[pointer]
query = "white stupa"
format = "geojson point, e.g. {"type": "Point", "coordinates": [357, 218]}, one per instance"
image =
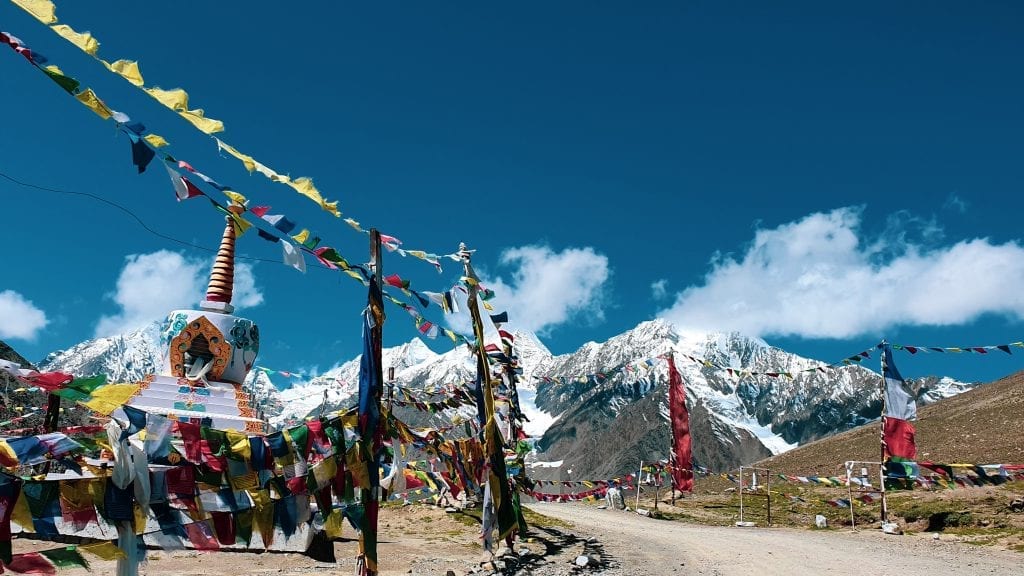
{"type": "Point", "coordinates": [208, 354]}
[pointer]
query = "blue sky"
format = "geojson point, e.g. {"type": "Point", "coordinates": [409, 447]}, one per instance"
{"type": "Point", "coordinates": [819, 176]}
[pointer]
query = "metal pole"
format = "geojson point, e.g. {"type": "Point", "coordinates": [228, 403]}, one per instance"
{"type": "Point", "coordinates": [881, 469]}
{"type": "Point", "coordinates": [741, 493]}
{"type": "Point", "coordinates": [849, 484]}
{"type": "Point", "coordinates": [639, 476]}
{"type": "Point", "coordinates": [768, 487]}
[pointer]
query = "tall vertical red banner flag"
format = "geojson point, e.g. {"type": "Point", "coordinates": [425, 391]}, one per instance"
{"type": "Point", "coordinates": [682, 470]}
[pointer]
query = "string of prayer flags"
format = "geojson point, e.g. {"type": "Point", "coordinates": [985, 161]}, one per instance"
{"type": "Point", "coordinates": [177, 100]}
{"type": "Point", "coordinates": [1007, 348]}
{"type": "Point", "coordinates": [143, 152]}
{"type": "Point", "coordinates": [285, 373]}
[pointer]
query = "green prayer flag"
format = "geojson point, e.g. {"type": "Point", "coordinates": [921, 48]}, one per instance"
{"type": "Point", "coordinates": [300, 436]}
{"type": "Point", "coordinates": [243, 525]}
{"type": "Point", "coordinates": [66, 557]}
{"type": "Point", "coordinates": [69, 84]}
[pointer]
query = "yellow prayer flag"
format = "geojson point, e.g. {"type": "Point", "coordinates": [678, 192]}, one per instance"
{"type": "Point", "coordinates": [350, 420]}
{"type": "Point", "coordinates": [8, 459]}
{"type": "Point", "coordinates": [84, 40]}
{"type": "Point", "coordinates": [247, 161]}
{"type": "Point", "coordinates": [354, 274]}
{"type": "Point", "coordinates": [205, 125]}
{"type": "Point", "coordinates": [103, 550]}
{"type": "Point", "coordinates": [236, 197]}
{"type": "Point", "coordinates": [176, 99]}
{"type": "Point", "coordinates": [324, 471]}
{"type": "Point", "coordinates": [22, 515]}
{"type": "Point", "coordinates": [42, 10]}
{"type": "Point", "coordinates": [241, 224]}
{"type": "Point", "coordinates": [333, 525]}
{"type": "Point", "coordinates": [306, 187]}
{"type": "Point", "coordinates": [140, 519]}
{"type": "Point", "coordinates": [260, 498]}
{"type": "Point", "coordinates": [239, 442]}
{"type": "Point", "coordinates": [353, 223]}
{"type": "Point", "coordinates": [128, 69]}
{"type": "Point", "coordinates": [301, 237]}
{"type": "Point", "coordinates": [271, 173]}
{"type": "Point", "coordinates": [155, 140]}
{"type": "Point", "coordinates": [91, 101]}
{"type": "Point", "coordinates": [108, 398]}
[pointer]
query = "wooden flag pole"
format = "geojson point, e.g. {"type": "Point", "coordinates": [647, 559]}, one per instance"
{"type": "Point", "coordinates": [369, 497]}
{"type": "Point", "coordinates": [487, 516]}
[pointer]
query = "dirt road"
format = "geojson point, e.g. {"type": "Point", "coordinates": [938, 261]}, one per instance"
{"type": "Point", "coordinates": [634, 544]}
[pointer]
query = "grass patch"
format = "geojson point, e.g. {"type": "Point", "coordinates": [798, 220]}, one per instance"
{"type": "Point", "coordinates": [542, 521]}
{"type": "Point", "coordinates": [467, 518]}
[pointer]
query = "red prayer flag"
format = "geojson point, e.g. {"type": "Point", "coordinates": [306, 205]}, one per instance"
{"type": "Point", "coordinates": [31, 563]}
{"type": "Point", "coordinates": [48, 381]}
{"type": "Point", "coordinates": [201, 535]}
{"type": "Point", "coordinates": [682, 469]}
{"type": "Point", "coordinates": [898, 437]}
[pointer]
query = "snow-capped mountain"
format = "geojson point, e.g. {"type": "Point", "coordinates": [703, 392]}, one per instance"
{"type": "Point", "coordinates": [596, 426]}
{"type": "Point", "coordinates": [337, 388]}
{"type": "Point", "coordinates": [605, 427]}
{"type": "Point", "coordinates": [123, 358]}
{"type": "Point", "coordinates": [416, 368]}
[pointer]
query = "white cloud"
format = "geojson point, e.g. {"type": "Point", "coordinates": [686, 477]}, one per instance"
{"type": "Point", "coordinates": [246, 294]}
{"type": "Point", "coordinates": [820, 277]}
{"type": "Point", "coordinates": [151, 285]}
{"type": "Point", "coordinates": [548, 288]}
{"type": "Point", "coordinates": [19, 318]}
{"type": "Point", "coordinates": [659, 289]}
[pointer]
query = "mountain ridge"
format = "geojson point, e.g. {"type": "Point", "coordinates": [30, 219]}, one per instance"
{"type": "Point", "coordinates": [592, 426]}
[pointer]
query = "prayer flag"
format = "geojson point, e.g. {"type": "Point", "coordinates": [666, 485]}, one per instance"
{"type": "Point", "coordinates": [136, 421]}
{"type": "Point", "coordinates": [293, 257]}
{"type": "Point", "coordinates": [682, 469]}
{"type": "Point", "coordinates": [83, 40]}
{"type": "Point", "coordinates": [499, 319]}
{"type": "Point", "coordinates": [93, 102]}
{"type": "Point", "coordinates": [183, 189]}
{"type": "Point", "coordinates": [898, 437]}
{"type": "Point", "coordinates": [899, 399]}
{"type": "Point", "coordinates": [42, 10]}
{"type": "Point", "coordinates": [66, 557]}
{"type": "Point", "coordinates": [127, 69]}
{"type": "Point", "coordinates": [370, 391]}
{"type": "Point", "coordinates": [31, 563]}
{"type": "Point", "coordinates": [396, 281]}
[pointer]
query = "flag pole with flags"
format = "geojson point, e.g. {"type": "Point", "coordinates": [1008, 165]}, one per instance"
{"type": "Point", "coordinates": [898, 408]}
{"type": "Point", "coordinates": [371, 378]}
{"type": "Point", "coordinates": [679, 417]}
{"type": "Point", "coordinates": [497, 497]}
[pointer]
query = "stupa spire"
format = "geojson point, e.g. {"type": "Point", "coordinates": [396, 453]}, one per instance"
{"type": "Point", "coordinates": [222, 275]}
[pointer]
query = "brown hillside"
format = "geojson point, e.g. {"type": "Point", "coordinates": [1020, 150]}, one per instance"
{"type": "Point", "coordinates": [981, 426]}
